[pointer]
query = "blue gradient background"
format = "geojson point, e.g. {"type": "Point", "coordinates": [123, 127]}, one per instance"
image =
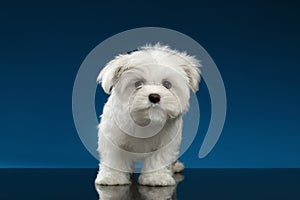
{"type": "Point", "coordinates": [255, 45]}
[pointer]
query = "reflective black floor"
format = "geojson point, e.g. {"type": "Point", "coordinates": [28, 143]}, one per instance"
{"type": "Point", "coordinates": [195, 184]}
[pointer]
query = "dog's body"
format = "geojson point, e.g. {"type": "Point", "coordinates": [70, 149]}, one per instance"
{"type": "Point", "coordinates": [142, 119]}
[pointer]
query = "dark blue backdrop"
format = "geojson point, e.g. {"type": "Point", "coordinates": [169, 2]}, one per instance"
{"type": "Point", "coordinates": [255, 46]}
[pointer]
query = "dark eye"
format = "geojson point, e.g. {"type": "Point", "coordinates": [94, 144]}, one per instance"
{"type": "Point", "coordinates": [167, 84]}
{"type": "Point", "coordinates": [138, 84]}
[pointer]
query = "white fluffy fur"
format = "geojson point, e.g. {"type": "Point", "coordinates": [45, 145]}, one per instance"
{"type": "Point", "coordinates": [118, 149]}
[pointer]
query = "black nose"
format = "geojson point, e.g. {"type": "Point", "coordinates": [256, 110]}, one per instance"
{"type": "Point", "coordinates": [154, 98]}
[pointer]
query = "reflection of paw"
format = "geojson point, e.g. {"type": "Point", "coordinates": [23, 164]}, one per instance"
{"type": "Point", "coordinates": [156, 179]}
{"type": "Point", "coordinates": [178, 167]}
{"type": "Point", "coordinates": [110, 177]}
{"type": "Point", "coordinates": [113, 192]}
{"type": "Point", "coordinates": [156, 193]}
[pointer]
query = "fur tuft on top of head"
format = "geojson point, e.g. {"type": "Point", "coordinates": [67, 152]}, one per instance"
{"type": "Point", "coordinates": [157, 54]}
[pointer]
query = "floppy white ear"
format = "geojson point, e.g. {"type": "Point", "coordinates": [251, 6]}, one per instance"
{"type": "Point", "coordinates": [111, 73]}
{"type": "Point", "coordinates": [192, 70]}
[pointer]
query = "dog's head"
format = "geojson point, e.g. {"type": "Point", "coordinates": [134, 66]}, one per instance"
{"type": "Point", "coordinates": [152, 82]}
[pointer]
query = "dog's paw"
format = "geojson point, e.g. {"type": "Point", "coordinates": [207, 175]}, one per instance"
{"type": "Point", "coordinates": [156, 179]}
{"type": "Point", "coordinates": [178, 167]}
{"type": "Point", "coordinates": [112, 178]}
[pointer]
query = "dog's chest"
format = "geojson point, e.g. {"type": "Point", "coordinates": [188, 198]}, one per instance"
{"type": "Point", "coordinates": [146, 145]}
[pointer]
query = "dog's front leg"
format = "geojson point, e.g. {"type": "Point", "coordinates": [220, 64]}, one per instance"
{"type": "Point", "coordinates": [158, 168]}
{"type": "Point", "coordinates": [115, 166]}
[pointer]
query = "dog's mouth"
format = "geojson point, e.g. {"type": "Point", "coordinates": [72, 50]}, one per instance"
{"type": "Point", "coordinates": [151, 113]}
{"type": "Point", "coordinates": [140, 116]}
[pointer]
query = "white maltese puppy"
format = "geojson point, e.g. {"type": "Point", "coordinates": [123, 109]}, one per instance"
{"type": "Point", "coordinates": [142, 119]}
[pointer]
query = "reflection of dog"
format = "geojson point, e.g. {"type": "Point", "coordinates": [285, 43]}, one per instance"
{"type": "Point", "coordinates": [134, 191]}
{"type": "Point", "coordinates": [142, 119]}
